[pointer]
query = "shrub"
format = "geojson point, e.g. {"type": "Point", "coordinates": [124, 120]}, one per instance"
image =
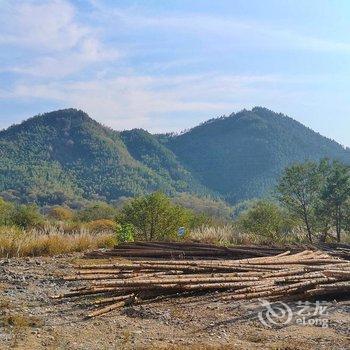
{"type": "Point", "coordinates": [97, 211]}
{"type": "Point", "coordinates": [125, 233]}
{"type": "Point", "coordinates": [26, 216]}
{"type": "Point", "coordinates": [61, 213]}
{"type": "Point", "coordinates": [101, 225]}
{"type": "Point", "coordinates": [266, 219]}
{"type": "Point", "coordinates": [6, 210]}
{"type": "Point", "coordinates": [155, 217]}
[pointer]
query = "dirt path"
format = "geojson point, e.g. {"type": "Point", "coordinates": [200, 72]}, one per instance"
{"type": "Point", "coordinates": [31, 320]}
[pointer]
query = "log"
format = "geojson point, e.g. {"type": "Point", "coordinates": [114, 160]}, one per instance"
{"type": "Point", "coordinates": [113, 299]}
{"type": "Point", "coordinates": [108, 308]}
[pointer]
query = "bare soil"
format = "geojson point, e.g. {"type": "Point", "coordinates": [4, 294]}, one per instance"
{"type": "Point", "coordinates": [30, 319]}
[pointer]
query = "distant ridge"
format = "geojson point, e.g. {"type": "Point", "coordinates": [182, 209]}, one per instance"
{"type": "Point", "coordinates": [65, 155]}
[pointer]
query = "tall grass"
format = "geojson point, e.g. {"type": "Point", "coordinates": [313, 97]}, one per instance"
{"type": "Point", "coordinates": [231, 235]}
{"type": "Point", "coordinates": [223, 235]}
{"type": "Point", "coordinates": [17, 243]}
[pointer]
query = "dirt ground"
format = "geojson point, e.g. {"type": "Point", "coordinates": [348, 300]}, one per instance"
{"type": "Point", "coordinates": [30, 319]}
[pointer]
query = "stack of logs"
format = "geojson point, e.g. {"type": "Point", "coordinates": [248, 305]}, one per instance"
{"type": "Point", "coordinates": [181, 250]}
{"type": "Point", "coordinates": [302, 275]}
{"type": "Point", "coordinates": [340, 250]}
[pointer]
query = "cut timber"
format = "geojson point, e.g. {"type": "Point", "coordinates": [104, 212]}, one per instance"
{"type": "Point", "coordinates": [278, 276]}
{"type": "Point", "coordinates": [108, 308]}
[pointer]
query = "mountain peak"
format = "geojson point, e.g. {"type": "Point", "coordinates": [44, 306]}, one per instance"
{"type": "Point", "coordinates": [71, 115]}
{"type": "Point", "coordinates": [58, 119]}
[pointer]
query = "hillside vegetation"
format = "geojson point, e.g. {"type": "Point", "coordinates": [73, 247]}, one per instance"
{"type": "Point", "coordinates": [67, 157]}
{"type": "Point", "coordinates": [241, 156]}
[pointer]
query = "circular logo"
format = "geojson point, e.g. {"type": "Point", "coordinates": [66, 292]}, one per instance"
{"type": "Point", "coordinates": [277, 313]}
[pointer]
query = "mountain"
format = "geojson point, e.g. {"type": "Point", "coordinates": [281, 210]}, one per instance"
{"type": "Point", "coordinates": [65, 155]}
{"type": "Point", "coordinates": [242, 156]}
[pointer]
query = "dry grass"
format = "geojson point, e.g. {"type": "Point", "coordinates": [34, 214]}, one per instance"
{"type": "Point", "coordinates": [17, 325]}
{"type": "Point", "coordinates": [15, 243]}
{"type": "Point", "coordinates": [231, 235]}
{"type": "Point", "coordinates": [20, 321]}
{"type": "Point", "coordinates": [222, 235]}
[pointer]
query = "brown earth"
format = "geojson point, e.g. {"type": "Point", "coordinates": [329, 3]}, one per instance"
{"type": "Point", "coordinates": [30, 319]}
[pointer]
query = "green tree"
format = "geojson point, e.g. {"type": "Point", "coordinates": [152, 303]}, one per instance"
{"type": "Point", "coordinates": [26, 216]}
{"type": "Point", "coordinates": [347, 216]}
{"type": "Point", "coordinates": [155, 217]}
{"type": "Point", "coordinates": [6, 210]}
{"type": "Point", "coordinates": [335, 196]}
{"type": "Point", "coordinates": [265, 218]}
{"type": "Point", "coordinates": [299, 191]}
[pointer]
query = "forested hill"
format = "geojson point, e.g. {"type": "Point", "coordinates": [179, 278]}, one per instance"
{"type": "Point", "coordinates": [242, 155]}
{"type": "Point", "coordinates": [65, 155]}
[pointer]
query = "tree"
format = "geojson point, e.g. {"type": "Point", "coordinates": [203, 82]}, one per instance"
{"type": "Point", "coordinates": [347, 216]}
{"type": "Point", "coordinates": [5, 212]}
{"type": "Point", "coordinates": [335, 195]}
{"type": "Point", "coordinates": [299, 191]}
{"type": "Point", "coordinates": [154, 216]}
{"type": "Point", "coordinates": [265, 218]}
{"type": "Point", "coordinates": [26, 216]}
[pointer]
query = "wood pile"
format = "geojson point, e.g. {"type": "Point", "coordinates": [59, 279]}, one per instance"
{"type": "Point", "coordinates": [306, 274]}
{"type": "Point", "coordinates": [337, 249]}
{"type": "Point", "coordinates": [182, 250]}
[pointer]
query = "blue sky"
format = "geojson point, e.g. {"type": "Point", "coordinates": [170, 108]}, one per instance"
{"type": "Point", "coordinates": [168, 65]}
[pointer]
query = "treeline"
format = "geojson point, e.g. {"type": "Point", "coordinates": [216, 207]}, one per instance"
{"type": "Point", "coordinates": [311, 203]}
{"type": "Point", "coordinates": [151, 217]}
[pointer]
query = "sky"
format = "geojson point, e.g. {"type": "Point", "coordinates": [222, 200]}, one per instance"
{"type": "Point", "coordinates": [169, 65]}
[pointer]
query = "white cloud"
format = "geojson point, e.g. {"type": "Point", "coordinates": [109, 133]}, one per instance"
{"type": "Point", "coordinates": [61, 65]}
{"type": "Point", "coordinates": [40, 25]}
{"type": "Point", "coordinates": [137, 101]}
{"type": "Point", "coordinates": [57, 44]}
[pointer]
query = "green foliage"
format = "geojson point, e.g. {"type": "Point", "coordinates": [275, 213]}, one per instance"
{"type": "Point", "coordinates": [64, 156]}
{"type": "Point", "coordinates": [155, 217]}
{"type": "Point", "coordinates": [213, 208]}
{"type": "Point", "coordinates": [266, 219]}
{"type": "Point", "coordinates": [125, 233]}
{"type": "Point", "coordinates": [335, 196]}
{"type": "Point", "coordinates": [6, 210]}
{"type": "Point", "coordinates": [299, 191]}
{"type": "Point", "coordinates": [318, 195]}
{"type": "Point", "coordinates": [27, 216]}
{"type": "Point", "coordinates": [97, 211]}
{"type": "Point", "coordinates": [242, 156]}
{"type": "Point", "coordinates": [203, 219]}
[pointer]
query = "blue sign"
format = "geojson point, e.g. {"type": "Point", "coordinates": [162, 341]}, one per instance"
{"type": "Point", "coordinates": [181, 232]}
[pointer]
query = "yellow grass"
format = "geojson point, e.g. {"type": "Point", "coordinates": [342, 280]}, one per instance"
{"type": "Point", "coordinates": [14, 243]}
{"type": "Point", "coordinates": [231, 235]}
{"type": "Point", "coordinates": [227, 234]}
